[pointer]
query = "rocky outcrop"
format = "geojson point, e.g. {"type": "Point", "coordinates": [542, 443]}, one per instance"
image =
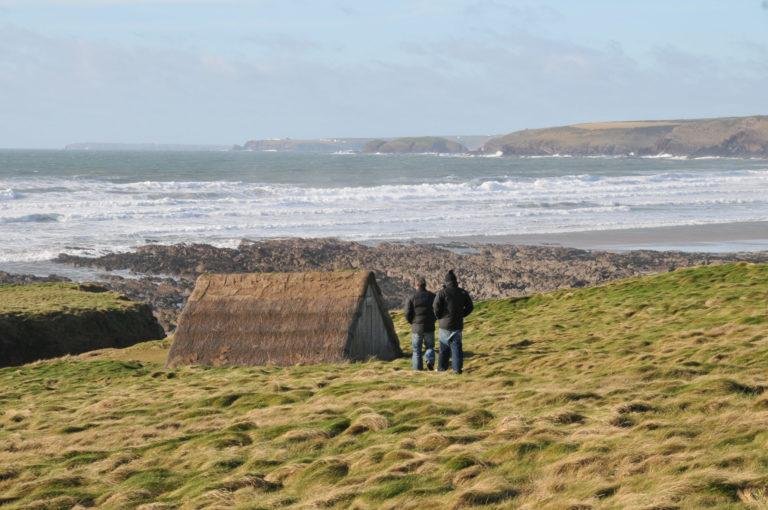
{"type": "Point", "coordinates": [417, 145]}
{"type": "Point", "coordinates": [725, 137]}
{"type": "Point", "coordinates": [166, 295]}
{"type": "Point", "coordinates": [487, 271]}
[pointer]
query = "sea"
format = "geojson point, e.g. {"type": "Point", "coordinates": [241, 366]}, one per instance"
{"type": "Point", "coordinates": [91, 203]}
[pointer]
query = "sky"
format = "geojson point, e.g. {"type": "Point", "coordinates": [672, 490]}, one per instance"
{"type": "Point", "coordinates": [223, 72]}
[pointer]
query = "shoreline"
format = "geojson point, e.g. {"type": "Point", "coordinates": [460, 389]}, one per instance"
{"type": "Point", "coordinates": [716, 238]}
{"type": "Point", "coordinates": [163, 275]}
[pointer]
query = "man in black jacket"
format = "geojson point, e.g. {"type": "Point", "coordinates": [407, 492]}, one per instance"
{"type": "Point", "coordinates": [421, 317]}
{"type": "Point", "coordinates": [452, 304]}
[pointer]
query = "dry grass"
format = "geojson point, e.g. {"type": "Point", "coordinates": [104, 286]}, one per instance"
{"type": "Point", "coordinates": [46, 320]}
{"type": "Point", "coordinates": [626, 124]}
{"type": "Point", "coordinates": [647, 393]}
{"type": "Point", "coordinates": [48, 298]}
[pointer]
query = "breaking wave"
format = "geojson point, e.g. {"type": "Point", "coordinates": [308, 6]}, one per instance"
{"type": "Point", "coordinates": [34, 218]}
{"type": "Point", "coordinates": [92, 216]}
{"type": "Point", "coordinates": [8, 194]}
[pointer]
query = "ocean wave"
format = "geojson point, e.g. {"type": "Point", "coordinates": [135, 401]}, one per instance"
{"type": "Point", "coordinates": [330, 213]}
{"type": "Point", "coordinates": [8, 194]}
{"type": "Point", "coordinates": [34, 218]}
{"type": "Point", "coordinates": [99, 215]}
{"type": "Point", "coordinates": [664, 155]}
{"type": "Point", "coordinates": [208, 196]}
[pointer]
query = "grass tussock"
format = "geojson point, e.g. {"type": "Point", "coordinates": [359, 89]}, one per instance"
{"type": "Point", "coordinates": [646, 393]}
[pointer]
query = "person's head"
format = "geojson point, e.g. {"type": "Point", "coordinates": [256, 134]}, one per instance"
{"type": "Point", "coordinates": [450, 278]}
{"type": "Point", "coordinates": [421, 283]}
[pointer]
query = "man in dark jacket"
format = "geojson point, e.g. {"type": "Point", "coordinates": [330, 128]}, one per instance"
{"type": "Point", "coordinates": [421, 317]}
{"type": "Point", "coordinates": [452, 304]}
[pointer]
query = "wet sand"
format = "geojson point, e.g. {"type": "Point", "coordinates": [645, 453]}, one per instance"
{"type": "Point", "coordinates": [713, 238]}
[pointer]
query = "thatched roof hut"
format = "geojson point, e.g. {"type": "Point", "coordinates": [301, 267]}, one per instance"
{"type": "Point", "coordinates": [284, 319]}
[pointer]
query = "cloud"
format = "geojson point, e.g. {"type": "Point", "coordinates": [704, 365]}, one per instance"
{"type": "Point", "coordinates": [283, 43]}
{"type": "Point", "coordinates": [528, 80]}
{"type": "Point", "coordinates": [57, 89]}
{"type": "Point", "coordinates": [95, 3]}
{"type": "Point", "coordinates": [512, 12]}
{"type": "Point", "coordinates": [349, 10]}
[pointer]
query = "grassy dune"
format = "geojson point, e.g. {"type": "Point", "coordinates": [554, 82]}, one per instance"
{"type": "Point", "coordinates": [646, 393]}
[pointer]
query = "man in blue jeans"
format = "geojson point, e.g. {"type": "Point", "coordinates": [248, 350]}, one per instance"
{"type": "Point", "coordinates": [421, 317]}
{"type": "Point", "coordinates": [451, 305]}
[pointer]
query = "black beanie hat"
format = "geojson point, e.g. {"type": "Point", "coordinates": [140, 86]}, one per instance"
{"type": "Point", "coordinates": [450, 277]}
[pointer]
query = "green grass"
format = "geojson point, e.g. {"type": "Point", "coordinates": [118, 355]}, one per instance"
{"type": "Point", "coordinates": [47, 298]}
{"type": "Point", "coordinates": [645, 393]}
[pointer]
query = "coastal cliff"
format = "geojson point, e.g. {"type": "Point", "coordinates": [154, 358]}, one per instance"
{"type": "Point", "coordinates": [721, 137]}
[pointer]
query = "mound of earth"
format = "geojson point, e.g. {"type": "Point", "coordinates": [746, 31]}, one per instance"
{"type": "Point", "coordinates": [45, 320]}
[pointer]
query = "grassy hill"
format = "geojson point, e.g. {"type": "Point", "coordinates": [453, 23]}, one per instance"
{"type": "Point", "coordinates": [645, 393]}
{"type": "Point", "coordinates": [728, 136]}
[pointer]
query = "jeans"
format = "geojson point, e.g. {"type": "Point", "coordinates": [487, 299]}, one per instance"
{"type": "Point", "coordinates": [428, 339]}
{"type": "Point", "coordinates": [450, 349]}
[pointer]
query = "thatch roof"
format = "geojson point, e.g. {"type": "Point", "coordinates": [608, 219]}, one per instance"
{"type": "Point", "coordinates": [273, 318]}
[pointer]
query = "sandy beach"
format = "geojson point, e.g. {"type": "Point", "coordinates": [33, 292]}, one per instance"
{"type": "Point", "coordinates": [712, 238]}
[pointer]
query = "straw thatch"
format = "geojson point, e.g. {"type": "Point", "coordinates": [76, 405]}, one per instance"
{"type": "Point", "coordinates": [284, 319]}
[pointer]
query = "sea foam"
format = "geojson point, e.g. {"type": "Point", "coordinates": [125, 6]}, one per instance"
{"type": "Point", "coordinates": [90, 216]}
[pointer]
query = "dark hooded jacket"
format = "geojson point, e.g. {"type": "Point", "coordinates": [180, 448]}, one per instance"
{"type": "Point", "coordinates": [419, 313]}
{"type": "Point", "coordinates": [452, 304]}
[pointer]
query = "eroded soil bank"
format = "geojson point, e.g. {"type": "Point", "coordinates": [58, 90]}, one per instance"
{"type": "Point", "coordinates": [46, 320]}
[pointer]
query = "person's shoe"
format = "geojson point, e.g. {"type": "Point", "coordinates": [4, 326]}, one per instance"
{"type": "Point", "coordinates": [430, 366]}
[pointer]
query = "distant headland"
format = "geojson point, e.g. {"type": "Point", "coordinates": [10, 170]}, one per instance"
{"type": "Point", "coordinates": [721, 137]}
{"type": "Point", "coordinates": [417, 145]}
{"type": "Point", "coordinates": [403, 145]}
{"type": "Point", "coordinates": [319, 145]}
{"type": "Point", "coordinates": [739, 137]}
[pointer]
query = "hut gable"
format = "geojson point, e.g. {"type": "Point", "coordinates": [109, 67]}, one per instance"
{"type": "Point", "coordinates": [284, 319]}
